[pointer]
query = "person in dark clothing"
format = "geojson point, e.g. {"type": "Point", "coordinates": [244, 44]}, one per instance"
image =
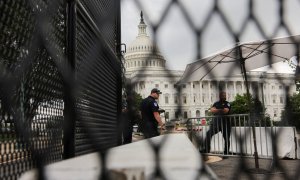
{"type": "Point", "coordinates": [150, 115]}
{"type": "Point", "coordinates": [127, 125]}
{"type": "Point", "coordinates": [219, 123]}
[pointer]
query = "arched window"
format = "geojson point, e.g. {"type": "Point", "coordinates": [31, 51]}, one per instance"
{"type": "Point", "coordinates": [197, 113]}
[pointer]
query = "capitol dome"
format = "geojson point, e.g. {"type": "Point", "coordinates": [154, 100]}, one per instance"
{"type": "Point", "coordinates": [142, 53]}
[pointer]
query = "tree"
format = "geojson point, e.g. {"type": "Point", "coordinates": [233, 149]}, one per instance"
{"type": "Point", "coordinates": [240, 105]}
{"type": "Point", "coordinates": [292, 112]}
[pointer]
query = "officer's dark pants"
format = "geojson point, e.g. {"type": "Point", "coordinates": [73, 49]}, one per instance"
{"type": "Point", "coordinates": [149, 129]}
{"type": "Point", "coordinates": [127, 133]}
{"type": "Point", "coordinates": [127, 128]}
{"type": "Point", "coordinates": [219, 124]}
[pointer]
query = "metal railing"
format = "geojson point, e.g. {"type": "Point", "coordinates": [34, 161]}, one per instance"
{"type": "Point", "coordinates": [237, 129]}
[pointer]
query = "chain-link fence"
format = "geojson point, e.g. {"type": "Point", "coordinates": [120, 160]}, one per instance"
{"type": "Point", "coordinates": [61, 79]}
{"type": "Point", "coordinates": [192, 93]}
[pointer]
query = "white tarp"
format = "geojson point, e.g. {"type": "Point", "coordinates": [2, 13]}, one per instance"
{"type": "Point", "coordinates": [253, 54]}
{"type": "Point", "coordinates": [287, 146]}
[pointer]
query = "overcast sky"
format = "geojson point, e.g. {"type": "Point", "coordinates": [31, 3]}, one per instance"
{"type": "Point", "coordinates": [177, 41]}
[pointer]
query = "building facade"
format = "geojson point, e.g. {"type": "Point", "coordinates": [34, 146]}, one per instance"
{"type": "Point", "coordinates": [145, 69]}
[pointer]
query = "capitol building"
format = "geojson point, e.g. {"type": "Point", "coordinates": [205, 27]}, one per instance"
{"type": "Point", "coordinates": [145, 69]}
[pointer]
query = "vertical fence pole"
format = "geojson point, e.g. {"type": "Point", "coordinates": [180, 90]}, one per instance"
{"type": "Point", "coordinates": [69, 104]}
{"type": "Point", "coordinates": [119, 82]}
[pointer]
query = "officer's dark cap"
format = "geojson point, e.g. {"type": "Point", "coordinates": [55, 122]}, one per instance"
{"type": "Point", "coordinates": [155, 90]}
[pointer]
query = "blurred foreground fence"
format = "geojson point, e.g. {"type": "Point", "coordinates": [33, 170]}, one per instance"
{"type": "Point", "coordinates": [60, 81]}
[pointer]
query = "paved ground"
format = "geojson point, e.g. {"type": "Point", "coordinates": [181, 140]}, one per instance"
{"type": "Point", "coordinates": [231, 168]}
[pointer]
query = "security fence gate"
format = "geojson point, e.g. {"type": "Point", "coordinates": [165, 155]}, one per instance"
{"type": "Point", "coordinates": [60, 82]}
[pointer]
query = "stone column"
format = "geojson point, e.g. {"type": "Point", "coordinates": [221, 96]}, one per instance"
{"type": "Point", "coordinates": [243, 89]}
{"type": "Point", "coordinates": [234, 88]}
{"type": "Point", "coordinates": [200, 98]}
{"type": "Point", "coordinates": [226, 88]}
{"type": "Point", "coordinates": [209, 92]}
{"type": "Point", "coordinates": [192, 94]}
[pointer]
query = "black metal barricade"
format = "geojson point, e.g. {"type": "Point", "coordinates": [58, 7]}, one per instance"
{"type": "Point", "coordinates": [60, 81]}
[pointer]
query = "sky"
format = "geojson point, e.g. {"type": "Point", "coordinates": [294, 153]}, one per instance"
{"type": "Point", "coordinates": [177, 40]}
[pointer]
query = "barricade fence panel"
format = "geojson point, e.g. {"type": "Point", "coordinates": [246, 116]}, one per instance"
{"type": "Point", "coordinates": [60, 81]}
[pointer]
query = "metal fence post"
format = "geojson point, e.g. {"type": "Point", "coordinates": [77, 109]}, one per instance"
{"type": "Point", "coordinates": [69, 103]}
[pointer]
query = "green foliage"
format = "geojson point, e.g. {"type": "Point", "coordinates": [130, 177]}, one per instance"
{"type": "Point", "coordinates": [292, 112]}
{"type": "Point", "coordinates": [137, 100]}
{"type": "Point", "coordinates": [241, 105]}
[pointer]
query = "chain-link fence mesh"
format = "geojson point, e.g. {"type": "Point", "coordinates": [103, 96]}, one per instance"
{"type": "Point", "coordinates": [61, 80]}
{"type": "Point", "coordinates": [189, 92]}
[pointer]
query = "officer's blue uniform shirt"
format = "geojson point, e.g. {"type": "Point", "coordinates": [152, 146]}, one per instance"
{"type": "Point", "coordinates": [148, 106]}
{"type": "Point", "coordinates": [222, 105]}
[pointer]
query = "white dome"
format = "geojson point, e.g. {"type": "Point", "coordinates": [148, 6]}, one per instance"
{"type": "Point", "coordinates": [141, 44]}
{"type": "Point", "coordinates": [142, 53]}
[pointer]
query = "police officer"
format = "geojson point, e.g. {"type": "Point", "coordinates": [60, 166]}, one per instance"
{"type": "Point", "coordinates": [219, 123]}
{"type": "Point", "coordinates": [150, 115]}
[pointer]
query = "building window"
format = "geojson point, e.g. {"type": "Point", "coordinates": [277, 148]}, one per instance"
{"type": "Point", "coordinates": [184, 99]}
{"type": "Point", "coordinates": [157, 85]}
{"type": "Point", "coordinates": [275, 112]}
{"type": "Point", "coordinates": [274, 99]}
{"type": "Point", "coordinates": [281, 100]}
{"type": "Point", "coordinates": [175, 100]}
{"type": "Point", "coordinates": [193, 85]}
{"type": "Point", "coordinates": [166, 100]}
{"type": "Point", "coordinates": [176, 114]}
{"type": "Point", "coordinates": [166, 85]}
{"type": "Point", "coordinates": [197, 113]}
{"type": "Point", "coordinates": [185, 115]}
{"type": "Point", "coordinates": [206, 112]}
{"type": "Point", "coordinates": [167, 115]}
{"type": "Point", "coordinates": [194, 99]}
{"type": "Point", "coordinates": [202, 86]}
{"type": "Point", "coordinates": [184, 86]}
{"type": "Point", "coordinates": [175, 86]}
